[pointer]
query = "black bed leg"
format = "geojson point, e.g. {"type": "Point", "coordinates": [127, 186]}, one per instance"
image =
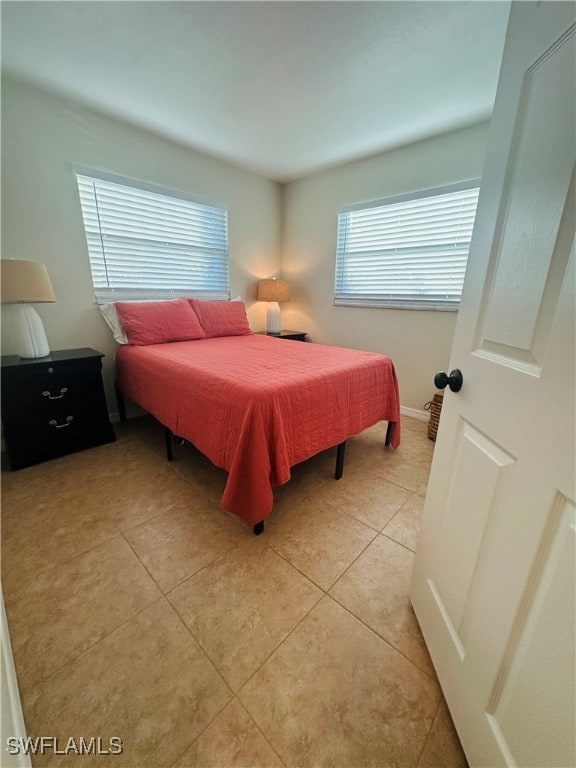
{"type": "Point", "coordinates": [121, 403]}
{"type": "Point", "coordinates": [340, 460]}
{"type": "Point", "coordinates": [389, 433]}
{"type": "Point", "coordinates": [259, 528]}
{"type": "Point", "coordinates": [168, 439]}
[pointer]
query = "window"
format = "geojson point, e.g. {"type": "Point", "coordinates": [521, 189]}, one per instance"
{"type": "Point", "coordinates": [408, 252]}
{"type": "Point", "coordinates": [144, 243]}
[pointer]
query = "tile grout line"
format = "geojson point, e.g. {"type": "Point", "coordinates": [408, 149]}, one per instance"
{"type": "Point", "coordinates": [400, 544]}
{"type": "Point", "coordinates": [91, 646]}
{"type": "Point", "coordinates": [281, 643]}
{"type": "Point", "coordinates": [172, 588]}
{"type": "Point", "coordinates": [372, 631]}
{"type": "Point", "coordinates": [195, 739]}
{"type": "Point", "coordinates": [212, 664]}
{"type": "Point", "coordinates": [234, 693]}
{"type": "Point", "coordinates": [429, 732]}
{"type": "Point", "coordinates": [143, 565]}
{"type": "Point", "coordinates": [398, 484]}
{"type": "Point", "coordinates": [54, 563]}
{"type": "Point", "coordinates": [328, 593]}
{"type": "Point", "coordinates": [191, 576]}
{"type": "Point", "coordinates": [413, 493]}
{"type": "Point", "coordinates": [342, 514]}
{"type": "Point", "coordinates": [106, 634]}
{"type": "Point", "coordinates": [260, 730]}
{"type": "Point", "coordinates": [148, 520]}
{"type": "Point", "coordinates": [280, 555]}
{"type": "Point", "coordinates": [372, 540]}
{"type": "Point", "coordinates": [388, 642]}
{"type": "Point", "coordinates": [199, 644]}
{"type": "Point", "coordinates": [357, 519]}
{"type": "Point", "coordinates": [215, 668]}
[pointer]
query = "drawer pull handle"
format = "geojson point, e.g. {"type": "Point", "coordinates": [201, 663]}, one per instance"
{"type": "Point", "coordinates": [47, 394]}
{"type": "Point", "coordinates": [54, 423]}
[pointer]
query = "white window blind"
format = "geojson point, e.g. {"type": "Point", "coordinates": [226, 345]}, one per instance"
{"type": "Point", "coordinates": [407, 252]}
{"type": "Point", "coordinates": [146, 244]}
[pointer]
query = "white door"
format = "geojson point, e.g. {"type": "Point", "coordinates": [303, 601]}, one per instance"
{"type": "Point", "coordinates": [494, 578]}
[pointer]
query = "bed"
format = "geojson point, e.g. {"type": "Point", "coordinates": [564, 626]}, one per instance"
{"type": "Point", "coordinates": [256, 405]}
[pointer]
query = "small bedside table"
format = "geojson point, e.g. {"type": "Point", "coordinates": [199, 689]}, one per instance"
{"type": "Point", "coordinates": [295, 335]}
{"type": "Point", "coordinates": [53, 405]}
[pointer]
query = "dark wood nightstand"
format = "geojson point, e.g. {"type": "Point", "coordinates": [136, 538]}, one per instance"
{"type": "Point", "coordinates": [295, 335]}
{"type": "Point", "coordinates": [53, 405]}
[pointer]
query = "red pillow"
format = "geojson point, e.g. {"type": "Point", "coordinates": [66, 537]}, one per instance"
{"type": "Point", "coordinates": [156, 322]}
{"type": "Point", "coordinates": [222, 318]}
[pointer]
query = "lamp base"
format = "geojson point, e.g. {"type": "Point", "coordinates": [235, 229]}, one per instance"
{"type": "Point", "coordinates": [273, 319]}
{"type": "Point", "coordinates": [28, 330]}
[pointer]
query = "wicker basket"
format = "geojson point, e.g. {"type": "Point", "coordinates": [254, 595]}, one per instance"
{"type": "Point", "coordinates": [435, 408]}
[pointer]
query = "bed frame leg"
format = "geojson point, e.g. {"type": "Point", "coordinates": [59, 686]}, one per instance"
{"type": "Point", "coordinates": [340, 460]}
{"type": "Point", "coordinates": [168, 439]}
{"type": "Point", "coordinates": [389, 433]}
{"type": "Point", "coordinates": [258, 528]}
{"type": "Point", "coordinates": [121, 403]}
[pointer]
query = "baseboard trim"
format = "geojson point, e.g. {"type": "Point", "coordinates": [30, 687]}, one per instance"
{"type": "Point", "coordinates": [414, 413]}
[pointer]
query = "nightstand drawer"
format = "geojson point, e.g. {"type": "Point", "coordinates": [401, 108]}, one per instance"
{"type": "Point", "coordinates": [57, 427]}
{"type": "Point", "coordinates": [47, 371]}
{"type": "Point", "coordinates": [45, 400]}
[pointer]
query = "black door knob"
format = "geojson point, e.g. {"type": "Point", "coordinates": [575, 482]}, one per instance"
{"type": "Point", "coordinates": [454, 381]}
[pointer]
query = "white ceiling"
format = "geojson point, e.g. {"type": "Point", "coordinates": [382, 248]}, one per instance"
{"type": "Point", "coordinates": [282, 88]}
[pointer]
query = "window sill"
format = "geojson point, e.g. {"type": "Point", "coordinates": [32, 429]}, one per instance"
{"type": "Point", "coordinates": [394, 305]}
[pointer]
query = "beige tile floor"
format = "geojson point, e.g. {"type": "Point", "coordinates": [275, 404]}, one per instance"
{"type": "Point", "coordinates": [139, 609]}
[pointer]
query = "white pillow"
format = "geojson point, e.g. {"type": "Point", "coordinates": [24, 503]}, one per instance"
{"type": "Point", "coordinates": [111, 316]}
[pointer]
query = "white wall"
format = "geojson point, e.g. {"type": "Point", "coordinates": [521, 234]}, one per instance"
{"type": "Point", "coordinates": [418, 342]}
{"type": "Point", "coordinates": [44, 138]}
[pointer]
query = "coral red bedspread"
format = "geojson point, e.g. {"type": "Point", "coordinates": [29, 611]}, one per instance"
{"type": "Point", "coordinates": [255, 405]}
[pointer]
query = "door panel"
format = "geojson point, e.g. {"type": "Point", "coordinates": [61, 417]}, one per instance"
{"type": "Point", "coordinates": [533, 207]}
{"type": "Point", "coordinates": [479, 479]}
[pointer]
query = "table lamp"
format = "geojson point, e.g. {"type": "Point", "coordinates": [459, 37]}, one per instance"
{"type": "Point", "coordinates": [273, 291]}
{"type": "Point", "coordinates": [24, 282]}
